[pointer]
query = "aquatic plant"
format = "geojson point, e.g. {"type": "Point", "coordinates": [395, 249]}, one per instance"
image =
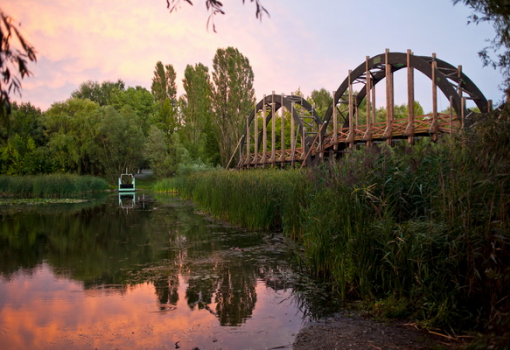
{"type": "Point", "coordinates": [55, 185]}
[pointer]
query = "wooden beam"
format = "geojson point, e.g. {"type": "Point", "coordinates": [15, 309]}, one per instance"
{"type": "Point", "coordinates": [451, 114]}
{"type": "Point", "coordinates": [410, 99]}
{"type": "Point", "coordinates": [335, 124]}
{"type": "Point", "coordinates": [368, 133]}
{"type": "Point", "coordinates": [433, 128]}
{"type": "Point", "coordinates": [462, 112]}
{"type": "Point", "coordinates": [374, 106]}
{"type": "Point", "coordinates": [273, 132]}
{"type": "Point", "coordinates": [264, 132]}
{"type": "Point", "coordinates": [292, 135]}
{"type": "Point", "coordinates": [248, 160]}
{"type": "Point", "coordinates": [256, 137]}
{"type": "Point", "coordinates": [389, 98]}
{"type": "Point", "coordinates": [350, 138]}
{"type": "Point", "coordinates": [282, 135]}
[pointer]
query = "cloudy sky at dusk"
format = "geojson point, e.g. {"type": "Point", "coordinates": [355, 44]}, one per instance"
{"type": "Point", "coordinates": [303, 44]}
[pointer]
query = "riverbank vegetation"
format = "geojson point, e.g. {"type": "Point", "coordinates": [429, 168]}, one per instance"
{"type": "Point", "coordinates": [418, 231]}
{"type": "Point", "coordinates": [48, 186]}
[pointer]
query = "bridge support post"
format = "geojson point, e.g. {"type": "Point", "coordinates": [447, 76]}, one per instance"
{"type": "Point", "coordinates": [282, 134]}
{"type": "Point", "coordinates": [462, 112]}
{"type": "Point", "coordinates": [368, 87]}
{"type": "Point", "coordinates": [248, 157]}
{"type": "Point", "coordinates": [335, 124]}
{"type": "Point", "coordinates": [451, 114]}
{"type": "Point", "coordinates": [292, 136]}
{"type": "Point", "coordinates": [374, 106]}
{"type": "Point", "coordinates": [256, 137]}
{"type": "Point", "coordinates": [434, 128]}
{"type": "Point", "coordinates": [264, 132]}
{"type": "Point", "coordinates": [389, 98]}
{"type": "Point", "coordinates": [350, 137]}
{"type": "Point", "coordinates": [410, 99]}
{"type": "Point", "coordinates": [273, 132]}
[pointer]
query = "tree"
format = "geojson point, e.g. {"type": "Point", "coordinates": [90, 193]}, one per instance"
{"type": "Point", "coordinates": [216, 7]}
{"type": "Point", "coordinates": [71, 128]}
{"type": "Point", "coordinates": [163, 83]}
{"type": "Point", "coordinates": [140, 100]}
{"type": "Point", "coordinates": [121, 141]}
{"type": "Point", "coordinates": [196, 113]}
{"type": "Point", "coordinates": [13, 62]}
{"type": "Point", "coordinates": [321, 100]}
{"type": "Point", "coordinates": [233, 98]}
{"type": "Point", "coordinates": [24, 150]}
{"type": "Point", "coordinates": [165, 153]}
{"type": "Point", "coordinates": [497, 12]}
{"type": "Point", "coordinates": [164, 91]}
{"type": "Point", "coordinates": [101, 93]}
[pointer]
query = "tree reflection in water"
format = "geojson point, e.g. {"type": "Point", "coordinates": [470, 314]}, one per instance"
{"type": "Point", "coordinates": [167, 244]}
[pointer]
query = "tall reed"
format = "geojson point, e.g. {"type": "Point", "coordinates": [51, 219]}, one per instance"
{"type": "Point", "coordinates": [55, 185]}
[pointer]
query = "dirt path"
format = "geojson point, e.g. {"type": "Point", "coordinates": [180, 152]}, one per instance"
{"type": "Point", "coordinates": [357, 332]}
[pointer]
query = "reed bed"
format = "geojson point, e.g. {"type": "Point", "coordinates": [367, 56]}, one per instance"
{"type": "Point", "coordinates": [420, 231]}
{"type": "Point", "coordinates": [54, 185]}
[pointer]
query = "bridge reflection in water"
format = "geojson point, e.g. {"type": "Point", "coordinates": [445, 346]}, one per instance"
{"type": "Point", "coordinates": [311, 138]}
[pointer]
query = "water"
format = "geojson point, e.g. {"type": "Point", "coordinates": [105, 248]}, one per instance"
{"type": "Point", "coordinates": [142, 273]}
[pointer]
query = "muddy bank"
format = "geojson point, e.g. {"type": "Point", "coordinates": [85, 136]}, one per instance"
{"type": "Point", "coordinates": [350, 331]}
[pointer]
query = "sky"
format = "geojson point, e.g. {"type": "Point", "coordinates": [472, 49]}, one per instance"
{"type": "Point", "coordinates": [303, 45]}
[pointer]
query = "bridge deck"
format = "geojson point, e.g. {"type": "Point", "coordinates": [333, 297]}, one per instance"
{"type": "Point", "coordinates": [401, 128]}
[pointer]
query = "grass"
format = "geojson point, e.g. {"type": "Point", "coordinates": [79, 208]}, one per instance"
{"type": "Point", "coordinates": [55, 185]}
{"type": "Point", "coordinates": [422, 229]}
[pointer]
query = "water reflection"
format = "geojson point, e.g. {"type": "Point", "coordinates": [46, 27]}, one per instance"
{"type": "Point", "coordinates": [91, 276]}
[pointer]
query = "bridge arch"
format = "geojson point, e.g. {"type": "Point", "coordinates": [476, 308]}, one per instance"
{"type": "Point", "coordinates": [323, 137]}
{"type": "Point", "coordinates": [452, 81]}
{"type": "Point", "coordinates": [305, 119]}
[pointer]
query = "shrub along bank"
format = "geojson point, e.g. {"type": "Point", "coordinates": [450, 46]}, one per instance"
{"type": "Point", "coordinates": [55, 185]}
{"type": "Point", "coordinates": [420, 231]}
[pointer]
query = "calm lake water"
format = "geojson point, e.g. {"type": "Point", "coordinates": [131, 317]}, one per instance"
{"type": "Point", "coordinates": [149, 273]}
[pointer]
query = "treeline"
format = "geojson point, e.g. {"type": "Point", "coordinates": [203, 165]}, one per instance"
{"type": "Point", "coordinates": [104, 127]}
{"type": "Point", "coordinates": [416, 231]}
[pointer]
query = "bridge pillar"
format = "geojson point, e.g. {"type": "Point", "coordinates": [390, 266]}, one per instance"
{"type": "Point", "coordinates": [264, 132]}
{"type": "Point", "coordinates": [273, 132]}
{"type": "Point", "coordinates": [335, 124]}
{"type": "Point", "coordinates": [248, 157]}
{"type": "Point", "coordinates": [410, 99]}
{"type": "Point", "coordinates": [389, 98]}
{"type": "Point", "coordinates": [256, 137]}
{"type": "Point", "coordinates": [282, 134]}
{"type": "Point", "coordinates": [434, 127]}
{"type": "Point", "coordinates": [368, 133]}
{"type": "Point", "coordinates": [350, 137]}
{"type": "Point", "coordinates": [293, 138]}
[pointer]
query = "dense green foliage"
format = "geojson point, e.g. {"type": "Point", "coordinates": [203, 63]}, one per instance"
{"type": "Point", "coordinates": [233, 98]}
{"type": "Point", "coordinates": [106, 128]}
{"type": "Point", "coordinates": [44, 186]}
{"type": "Point", "coordinates": [425, 226]}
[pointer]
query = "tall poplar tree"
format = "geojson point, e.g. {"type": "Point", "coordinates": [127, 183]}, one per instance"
{"type": "Point", "coordinates": [197, 133]}
{"type": "Point", "coordinates": [163, 83]}
{"type": "Point", "coordinates": [164, 90]}
{"type": "Point", "coordinates": [233, 97]}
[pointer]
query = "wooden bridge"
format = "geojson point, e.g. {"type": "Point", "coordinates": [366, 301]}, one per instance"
{"type": "Point", "coordinates": [306, 138]}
